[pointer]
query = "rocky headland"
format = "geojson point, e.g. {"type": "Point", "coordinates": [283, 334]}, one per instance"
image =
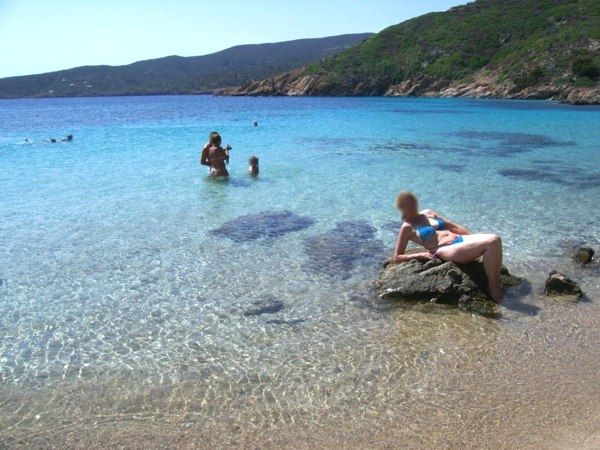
{"type": "Point", "coordinates": [526, 49]}
{"type": "Point", "coordinates": [482, 86]}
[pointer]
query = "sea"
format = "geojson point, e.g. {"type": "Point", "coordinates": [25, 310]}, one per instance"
{"type": "Point", "coordinates": [142, 301]}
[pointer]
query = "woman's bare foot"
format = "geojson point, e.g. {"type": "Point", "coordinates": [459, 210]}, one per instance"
{"type": "Point", "coordinates": [496, 293]}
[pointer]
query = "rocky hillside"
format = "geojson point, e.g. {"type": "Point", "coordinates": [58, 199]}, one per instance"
{"type": "Point", "coordinates": [180, 75]}
{"type": "Point", "coordinates": [530, 49]}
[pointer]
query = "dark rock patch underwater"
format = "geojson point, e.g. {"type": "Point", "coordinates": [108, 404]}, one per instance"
{"type": "Point", "coordinates": [265, 306]}
{"type": "Point", "coordinates": [392, 226]}
{"type": "Point", "coordinates": [491, 143]}
{"type": "Point", "coordinates": [398, 145]}
{"type": "Point", "coordinates": [337, 251]}
{"type": "Point", "coordinates": [266, 224]}
{"type": "Point", "coordinates": [530, 175]}
{"type": "Point", "coordinates": [554, 173]}
{"type": "Point", "coordinates": [456, 168]}
{"type": "Point", "coordinates": [508, 144]}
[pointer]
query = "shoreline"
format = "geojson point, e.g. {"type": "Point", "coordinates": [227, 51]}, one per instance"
{"type": "Point", "coordinates": [230, 92]}
{"type": "Point", "coordinates": [221, 94]}
{"type": "Point", "coordinates": [541, 404]}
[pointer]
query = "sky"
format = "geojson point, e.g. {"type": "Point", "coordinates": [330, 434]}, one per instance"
{"type": "Point", "coordinates": [39, 36]}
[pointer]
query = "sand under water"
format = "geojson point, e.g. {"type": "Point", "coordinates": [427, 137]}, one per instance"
{"type": "Point", "coordinates": [143, 305]}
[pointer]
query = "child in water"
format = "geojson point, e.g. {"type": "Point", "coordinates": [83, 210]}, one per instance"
{"type": "Point", "coordinates": [253, 168]}
{"type": "Point", "coordinates": [214, 156]}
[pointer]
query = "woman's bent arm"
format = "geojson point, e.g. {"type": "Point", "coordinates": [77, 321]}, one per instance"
{"type": "Point", "coordinates": [450, 226]}
{"type": "Point", "coordinates": [399, 255]}
{"type": "Point", "coordinates": [456, 228]}
{"type": "Point", "coordinates": [204, 157]}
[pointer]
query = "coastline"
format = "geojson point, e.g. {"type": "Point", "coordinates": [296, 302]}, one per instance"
{"type": "Point", "coordinates": [131, 334]}
{"type": "Point", "coordinates": [222, 93]}
{"type": "Point", "coordinates": [482, 86]}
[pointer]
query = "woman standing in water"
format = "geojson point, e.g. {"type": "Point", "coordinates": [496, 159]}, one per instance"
{"type": "Point", "coordinates": [214, 156]}
{"type": "Point", "coordinates": [448, 241]}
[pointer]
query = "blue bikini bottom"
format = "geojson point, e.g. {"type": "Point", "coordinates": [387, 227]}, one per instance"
{"type": "Point", "coordinates": [457, 240]}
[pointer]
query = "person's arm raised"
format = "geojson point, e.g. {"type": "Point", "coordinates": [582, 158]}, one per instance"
{"type": "Point", "coordinates": [401, 244]}
{"type": "Point", "coordinates": [204, 156]}
{"type": "Point", "coordinates": [450, 225]}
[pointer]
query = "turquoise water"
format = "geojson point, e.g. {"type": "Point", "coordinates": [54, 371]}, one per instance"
{"type": "Point", "coordinates": [123, 266]}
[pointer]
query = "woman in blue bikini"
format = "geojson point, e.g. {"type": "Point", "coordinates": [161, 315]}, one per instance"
{"type": "Point", "coordinates": [447, 240]}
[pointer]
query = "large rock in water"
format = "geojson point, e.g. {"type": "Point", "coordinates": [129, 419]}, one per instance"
{"type": "Point", "coordinates": [438, 281]}
{"type": "Point", "coordinates": [583, 255]}
{"type": "Point", "coordinates": [559, 284]}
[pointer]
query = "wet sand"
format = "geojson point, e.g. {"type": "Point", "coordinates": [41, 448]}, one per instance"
{"type": "Point", "coordinates": [528, 382]}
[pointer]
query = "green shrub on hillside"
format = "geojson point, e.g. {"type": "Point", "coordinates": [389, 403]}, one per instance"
{"type": "Point", "coordinates": [585, 67]}
{"type": "Point", "coordinates": [584, 82]}
{"type": "Point", "coordinates": [531, 78]}
{"type": "Point", "coordinates": [523, 41]}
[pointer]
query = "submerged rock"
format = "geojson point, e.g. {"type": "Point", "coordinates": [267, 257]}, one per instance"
{"type": "Point", "coordinates": [583, 255]}
{"type": "Point", "coordinates": [267, 306]}
{"type": "Point", "coordinates": [512, 142]}
{"type": "Point", "coordinates": [267, 224]}
{"type": "Point", "coordinates": [531, 175]}
{"type": "Point", "coordinates": [559, 284]}
{"type": "Point", "coordinates": [438, 281]}
{"type": "Point", "coordinates": [456, 168]}
{"type": "Point", "coordinates": [337, 251]}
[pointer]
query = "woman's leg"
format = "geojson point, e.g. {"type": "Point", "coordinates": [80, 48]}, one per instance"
{"type": "Point", "coordinates": [493, 267]}
{"type": "Point", "coordinates": [475, 245]}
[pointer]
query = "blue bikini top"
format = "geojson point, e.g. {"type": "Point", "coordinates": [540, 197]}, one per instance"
{"type": "Point", "coordinates": [427, 232]}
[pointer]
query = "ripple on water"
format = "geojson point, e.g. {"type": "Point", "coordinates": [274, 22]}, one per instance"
{"type": "Point", "coordinates": [416, 111]}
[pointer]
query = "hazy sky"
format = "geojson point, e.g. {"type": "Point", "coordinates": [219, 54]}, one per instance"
{"type": "Point", "coordinates": [45, 35]}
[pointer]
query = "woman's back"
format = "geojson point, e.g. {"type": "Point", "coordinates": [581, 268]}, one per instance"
{"type": "Point", "coordinates": [217, 156]}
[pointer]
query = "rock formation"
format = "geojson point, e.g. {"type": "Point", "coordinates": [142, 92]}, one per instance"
{"type": "Point", "coordinates": [583, 255]}
{"type": "Point", "coordinates": [483, 86]}
{"type": "Point", "coordinates": [558, 284]}
{"type": "Point", "coordinates": [438, 281]}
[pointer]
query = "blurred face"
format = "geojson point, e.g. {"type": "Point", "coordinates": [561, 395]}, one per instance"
{"type": "Point", "coordinates": [409, 207]}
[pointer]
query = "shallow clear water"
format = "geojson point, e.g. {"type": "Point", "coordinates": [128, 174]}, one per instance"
{"type": "Point", "coordinates": [130, 281]}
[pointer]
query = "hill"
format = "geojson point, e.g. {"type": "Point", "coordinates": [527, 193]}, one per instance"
{"type": "Point", "coordinates": [179, 75]}
{"type": "Point", "coordinates": [488, 49]}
